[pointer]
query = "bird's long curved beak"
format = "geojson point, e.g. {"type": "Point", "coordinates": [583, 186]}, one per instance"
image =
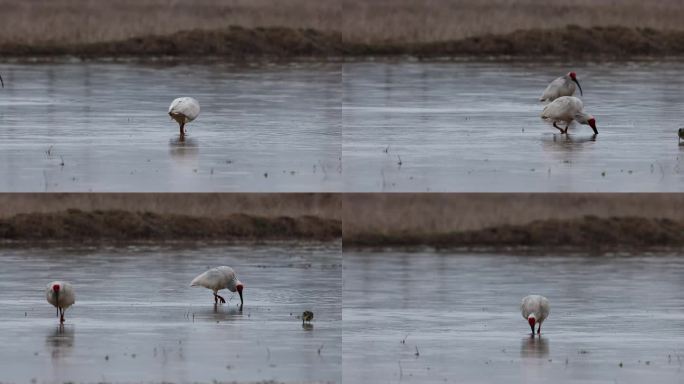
{"type": "Point", "coordinates": [2, 82]}
{"type": "Point", "coordinates": [57, 301]}
{"type": "Point", "coordinates": [579, 86]}
{"type": "Point", "coordinates": [241, 301]}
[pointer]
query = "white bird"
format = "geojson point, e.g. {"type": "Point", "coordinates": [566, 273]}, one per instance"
{"type": "Point", "coordinates": [535, 309]}
{"type": "Point", "coordinates": [219, 278]}
{"type": "Point", "coordinates": [566, 109]}
{"type": "Point", "coordinates": [562, 86]}
{"type": "Point", "coordinates": [184, 110]}
{"type": "Point", "coordinates": [61, 295]}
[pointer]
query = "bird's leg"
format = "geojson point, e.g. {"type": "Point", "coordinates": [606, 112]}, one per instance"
{"type": "Point", "coordinates": [539, 329]}
{"type": "Point", "coordinates": [559, 128]}
{"type": "Point", "coordinates": [217, 298]}
{"type": "Point", "coordinates": [182, 130]}
{"type": "Point", "coordinates": [61, 316]}
{"type": "Point", "coordinates": [566, 128]}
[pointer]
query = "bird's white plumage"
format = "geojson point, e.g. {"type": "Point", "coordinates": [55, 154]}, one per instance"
{"type": "Point", "coordinates": [186, 107]}
{"type": "Point", "coordinates": [536, 306]}
{"type": "Point", "coordinates": [561, 86]}
{"type": "Point", "coordinates": [216, 279]}
{"type": "Point", "coordinates": [66, 296]}
{"type": "Point", "coordinates": [566, 109]}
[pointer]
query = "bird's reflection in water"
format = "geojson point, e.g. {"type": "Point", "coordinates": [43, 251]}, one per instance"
{"type": "Point", "coordinates": [183, 150]}
{"type": "Point", "coordinates": [566, 142]}
{"type": "Point", "coordinates": [307, 326]}
{"type": "Point", "coordinates": [566, 147]}
{"type": "Point", "coordinates": [60, 341]}
{"type": "Point", "coordinates": [218, 312]}
{"type": "Point", "coordinates": [534, 347]}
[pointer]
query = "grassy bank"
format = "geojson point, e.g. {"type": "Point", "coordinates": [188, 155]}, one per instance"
{"type": "Point", "coordinates": [115, 225]}
{"type": "Point", "coordinates": [584, 220]}
{"type": "Point", "coordinates": [240, 29]}
{"type": "Point", "coordinates": [238, 44]}
{"type": "Point", "coordinates": [586, 232]}
{"type": "Point", "coordinates": [209, 205]}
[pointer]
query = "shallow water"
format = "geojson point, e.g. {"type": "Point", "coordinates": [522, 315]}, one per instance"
{"type": "Point", "coordinates": [137, 320]}
{"type": "Point", "coordinates": [476, 127]}
{"type": "Point", "coordinates": [105, 127]}
{"type": "Point", "coordinates": [461, 312]}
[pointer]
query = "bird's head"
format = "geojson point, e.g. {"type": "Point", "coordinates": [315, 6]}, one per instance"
{"type": "Point", "coordinates": [573, 77]}
{"type": "Point", "coordinates": [532, 320]}
{"type": "Point", "coordinates": [239, 287]}
{"type": "Point", "coordinates": [55, 290]}
{"type": "Point", "coordinates": [584, 118]}
{"type": "Point", "coordinates": [592, 124]}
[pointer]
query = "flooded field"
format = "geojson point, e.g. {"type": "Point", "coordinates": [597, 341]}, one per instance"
{"type": "Point", "coordinates": [429, 317]}
{"type": "Point", "coordinates": [137, 320]}
{"type": "Point", "coordinates": [105, 127]}
{"type": "Point", "coordinates": [475, 127]}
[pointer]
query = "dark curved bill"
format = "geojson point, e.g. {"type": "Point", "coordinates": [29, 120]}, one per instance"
{"type": "Point", "coordinates": [241, 302]}
{"type": "Point", "coordinates": [579, 86]}
{"type": "Point", "coordinates": [2, 82]}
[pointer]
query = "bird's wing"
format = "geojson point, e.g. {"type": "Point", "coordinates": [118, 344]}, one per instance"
{"type": "Point", "coordinates": [545, 307]}
{"type": "Point", "coordinates": [525, 307]}
{"type": "Point", "coordinates": [231, 277]}
{"type": "Point", "coordinates": [531, 304]}
{"type": "Point", "coordinates": [561, 108]}
{"type": "Point", "coordinates": [551, 91]}
{"type": "Point", "coordinates": [69, 296]}
{"type": "Point", "coordinates": [214, 279]}
{"type": "Point", "coordinates": [186, 106]}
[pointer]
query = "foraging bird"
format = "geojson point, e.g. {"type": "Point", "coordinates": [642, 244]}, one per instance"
{"type": "Point", "coordinates": [566, 109]}
{"type": "Point", "coordinates": [535, 309]}
{"type": "Point", "coordinates": [307, 316]}
{"type": "Point", "coordinates": [681, 134]}
{"type": "Point", "coordinates": [219, 278]}
{"type": "Point", "coordinates": [184, 110]}
{"type": "Point", "coordinates": [562, 86]}
{"type": "Point", "coordinates": [60, 294]}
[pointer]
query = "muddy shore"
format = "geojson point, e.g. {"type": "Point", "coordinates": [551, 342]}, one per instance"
{"type": "Point", "coordinates": [238, 43]}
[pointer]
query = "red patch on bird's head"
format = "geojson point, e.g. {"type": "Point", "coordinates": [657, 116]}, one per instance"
{"type": "Point", "coordinates": [239, 287]}
{"type": "Point", "coordinates": [532, 321]}
{"type": "Point", "coordinates": [592, 123]}
{"type": "Point", "coordinates": [55, 288]}
{"type": "Point", "coordinates": [573, 75]}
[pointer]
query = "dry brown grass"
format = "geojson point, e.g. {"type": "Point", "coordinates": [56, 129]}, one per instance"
{"type": "Point", "coordinates": [117, 225]}
{"type": "Point", "coordinates": [364, 21]}
{"type": "Point", "coordinates": [210, 205]}
{"type": "Point", "coordinates": [421, 214]}
{"type": "Point", "coordinates": [436, 20]}
{"type": "Point", "coordinates": [87, 21]}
